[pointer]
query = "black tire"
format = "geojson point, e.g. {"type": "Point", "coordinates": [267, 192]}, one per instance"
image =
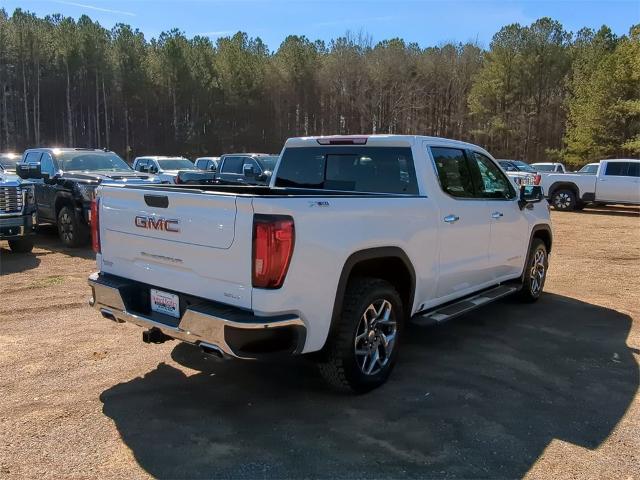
{"type": "Point", "coordinates": [339, 363]}
{"type": "Point", "coordinates": [21, 245]}
{"type": "Point", "coordinates": [533, 282]}
{"type": "Point", "coordinates": [564, 199]}
{"type": "Point", "coordinates": [71, 229]}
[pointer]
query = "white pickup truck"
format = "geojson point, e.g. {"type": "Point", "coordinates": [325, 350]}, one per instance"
{"type": "Point", "coordinates": [615, 181]}
{"type": "Point", "coordinates": [354, 237]}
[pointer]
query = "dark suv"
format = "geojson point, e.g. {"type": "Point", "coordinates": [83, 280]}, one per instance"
{"type": "Point", "coordinates": [65, 181]}
{"type": "Point", "coordinates": [246, 168]}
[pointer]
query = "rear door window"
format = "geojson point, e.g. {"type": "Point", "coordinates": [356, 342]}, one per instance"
{"type": "Point", "coordinates": [354, 169]}
{"type": "Point", "coordinates": [251, 161]}
{"type": "Point", "coordinates": [634, 169]}
{"type": "Point", "coordinates": [140, 164]}
{"type": "Point", "coordinates": [618, 169]}
{"type": "Point", "coordinates": [508, 166]}
{"type": "Point", "coordinates": [454, 173]}
{"type": "Point", "coordinates": [32, 157]}
{"type": "Point", "coordinates": [233, 165]}
{"type": "Point", "coordinates": [47, 165]}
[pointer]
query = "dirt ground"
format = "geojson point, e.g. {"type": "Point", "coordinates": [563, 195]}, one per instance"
{"type": "Point", "coordinates": [548, 390]}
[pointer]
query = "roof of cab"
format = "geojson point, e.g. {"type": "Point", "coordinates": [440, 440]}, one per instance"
{"type": "Point", "coordinates": [66, 149]}
{"type": "Point", "coordinates": [160, 157]}
{"type": "Point", "coordinates": [381, 140]}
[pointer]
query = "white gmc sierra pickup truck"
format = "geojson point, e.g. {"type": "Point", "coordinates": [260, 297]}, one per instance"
{"type": "Point", "coordinates": [354, 237]}
{"type": "Point", "coordinates": [615, 181]}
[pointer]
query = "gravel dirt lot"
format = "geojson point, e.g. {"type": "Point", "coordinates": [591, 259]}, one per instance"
{"type": "Point", "coordinates": [548, 390]}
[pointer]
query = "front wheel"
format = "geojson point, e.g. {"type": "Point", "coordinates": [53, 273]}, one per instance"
{"type": "Point", "coordinates": [21, 245]}
{"type": "Point", "coordinates": [71, 229]}
{"type": "Point", "coordinates": [535, 272]}
{"type": "Point", "coordinates": [361, 352]}
{"type": "Point", "coordinates": [564, 200]}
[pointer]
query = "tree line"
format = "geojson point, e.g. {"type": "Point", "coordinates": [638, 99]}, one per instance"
{"type": "Point", "coordinates": [537, 93]}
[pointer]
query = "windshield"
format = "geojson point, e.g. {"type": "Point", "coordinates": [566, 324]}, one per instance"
{"type": "Point", "coordinates": [540, 167]}
{"type": "Point", "coordinates": [591, 168]}
{"type": "Point", "coordinates": [91, 161]}
{"type": "Point", "coordinates": [268, 163]}
{"type": "Point", "coordinates": [524, 167]}
{"type": "Point", "coordinates": [8, 162]}
{"type": "Point", "coordinates": [176, 164]}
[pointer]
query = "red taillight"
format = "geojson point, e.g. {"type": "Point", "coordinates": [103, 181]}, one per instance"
{"type": "Point", "coordinates": [95, 225]}
{"type": "Point", "coordinates": [538, 179]}
{"type": "Point", "coordinates": [273, 239]}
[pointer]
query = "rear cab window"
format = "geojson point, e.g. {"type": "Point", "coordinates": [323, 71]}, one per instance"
{"type": "Point", "coordinates": [346, 168]}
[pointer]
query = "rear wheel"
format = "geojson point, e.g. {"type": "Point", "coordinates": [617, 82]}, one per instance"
{"type": "Point", "coordinates": [535, 272]}
{"type": "Point", "coordinates": [21, 245]}
{"type": "Point", "coordinates": [71, 230]}
{"type": "Point", "coordinates": [361, 353]}
{"type": "Point", "coordinates": [564, 199]}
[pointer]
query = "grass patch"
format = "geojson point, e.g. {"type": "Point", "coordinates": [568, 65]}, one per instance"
{"type": "Point", "coordinates": [50, 281]}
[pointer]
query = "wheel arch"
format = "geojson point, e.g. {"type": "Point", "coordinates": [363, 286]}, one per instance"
{"type": "Point", "coordinates": [564, 185]}
{"type": "Point", "coordinates": [387, 263]}
{"type": "Point", "coordinates": [63, 199]}
{"type": "Point", "coordinates": [543, 232]}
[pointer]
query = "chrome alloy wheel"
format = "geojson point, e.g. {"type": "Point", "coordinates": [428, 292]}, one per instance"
{"type": "Point", "coordinates": [538, 271]}
{"type": "Point", "coordinates": [375, 337]}
{"type": "Point", "coordinates": [66, 227]}
{"type": "Point", "coordinates": [562, 200]}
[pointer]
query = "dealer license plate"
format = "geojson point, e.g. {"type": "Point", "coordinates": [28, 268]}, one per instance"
{"type": "Point", "coordinates": [167, 303]}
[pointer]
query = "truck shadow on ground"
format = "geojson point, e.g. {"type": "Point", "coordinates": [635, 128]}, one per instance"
{"type": "Point", "coordinates": [47, 239]}
{"type": "Point", "coordinates": [612, 211]}
{"type": "Point", "coordinates": [481, 396]}
{"type": "Point", "coordinates": [11, 262]}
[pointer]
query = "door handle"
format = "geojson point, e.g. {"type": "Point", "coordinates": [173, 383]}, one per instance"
{"type": "Point", "coordinates": [497, 215]}
{"type": "Point", "coordinates": [451, 218]}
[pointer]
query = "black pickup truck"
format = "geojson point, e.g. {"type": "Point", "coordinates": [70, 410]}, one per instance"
{"type": "Point", "coordinates": [65, 181]}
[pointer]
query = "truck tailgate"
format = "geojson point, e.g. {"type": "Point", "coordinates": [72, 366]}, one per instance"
{"type": "Point", "coordinates": [184, 241]}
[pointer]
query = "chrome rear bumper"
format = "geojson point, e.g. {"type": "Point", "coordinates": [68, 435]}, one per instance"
{"type": "Point", "coordinates": [207, 324]}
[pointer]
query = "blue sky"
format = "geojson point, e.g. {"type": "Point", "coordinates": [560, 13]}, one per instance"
{"type": "Point", "coordinates": [427, 22]}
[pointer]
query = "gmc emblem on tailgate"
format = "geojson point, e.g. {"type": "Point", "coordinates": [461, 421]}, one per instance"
{"type": "Point", "coordinates": [157, 223]}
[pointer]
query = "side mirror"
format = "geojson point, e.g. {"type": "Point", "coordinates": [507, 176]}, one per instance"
{"type": "Point", "coordinates": [152, 169]}
{"type": "Point", "coordinates": [248, 171]}
{"type": "Point", "coordinates": [29, 170]}
{"type": "Point", "coordinates": [530, 194]}
{"type": "Point", "coordinates": [264, 176]}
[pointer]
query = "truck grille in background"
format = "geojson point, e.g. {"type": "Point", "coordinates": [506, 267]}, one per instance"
{"type": "Point", "coordinates": [11, 199]}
